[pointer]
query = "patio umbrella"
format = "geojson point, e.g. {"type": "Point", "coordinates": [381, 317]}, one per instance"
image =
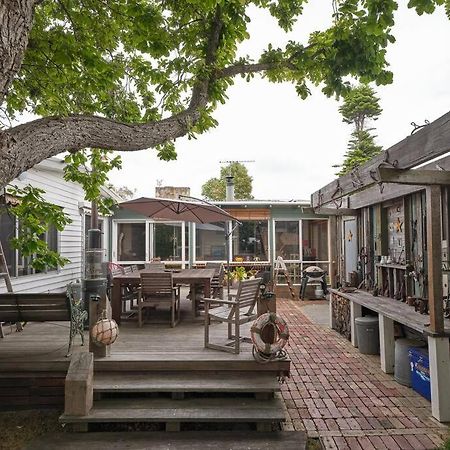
{"type": "Point", "coordinates": [198, 211]}
{"type": "Point", "coordinates": [169, 209]}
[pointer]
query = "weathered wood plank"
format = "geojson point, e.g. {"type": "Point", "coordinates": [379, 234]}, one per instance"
{"type": "Point", "coordinates": [186, 440]}
{"type": "Point", "coordinates": [414, 177]}
{"type": "Point", "coordinates": [189, 410]}
{"type": "Point", "coordinates": [186, 382]}
{"type": "Point", "coordinates": [79, 385]}
{"type": "Point", "coordinates": [427, 143]}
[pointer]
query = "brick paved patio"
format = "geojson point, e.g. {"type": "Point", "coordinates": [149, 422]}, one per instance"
{"type": "Point", "coordinates": [344, 398]}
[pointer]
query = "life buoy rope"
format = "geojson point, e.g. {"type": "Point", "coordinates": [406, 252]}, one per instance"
{"type": "Point", "coordinates": [265, 351]}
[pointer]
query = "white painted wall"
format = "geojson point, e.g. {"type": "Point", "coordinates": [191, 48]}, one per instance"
{"type": "Point", "coordinates": [48, 176]}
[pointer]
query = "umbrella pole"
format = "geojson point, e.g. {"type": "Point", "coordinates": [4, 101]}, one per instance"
{"type": "Point", "coordinates": [227, 243]}
{"type": "Point", "coordinates": [229, 229]}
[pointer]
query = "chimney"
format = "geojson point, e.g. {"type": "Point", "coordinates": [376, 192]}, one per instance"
{"type": "Point", "coordinates": [230, 188]}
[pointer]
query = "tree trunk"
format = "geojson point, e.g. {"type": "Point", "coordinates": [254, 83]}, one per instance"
{"type": "Point", "coordinates": [16, 17]}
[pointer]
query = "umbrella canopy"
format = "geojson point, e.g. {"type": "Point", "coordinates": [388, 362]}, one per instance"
{"type": "Point", "coordinates": [169, 209]}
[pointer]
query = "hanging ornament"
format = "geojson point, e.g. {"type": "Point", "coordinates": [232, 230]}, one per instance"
{"type": "Point", "coordinates": [105, 331]}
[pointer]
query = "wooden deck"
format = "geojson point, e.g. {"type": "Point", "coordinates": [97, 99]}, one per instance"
{"type": "Point", "coordinates": [42, 347]}
{"type": "Point", "coordinates": [33, 364]}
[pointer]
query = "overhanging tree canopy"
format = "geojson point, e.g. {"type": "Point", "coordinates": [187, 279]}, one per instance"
{"type": "Point", "coordinates": [135, 74]}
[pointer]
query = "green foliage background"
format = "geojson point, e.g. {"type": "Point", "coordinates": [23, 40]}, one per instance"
{"type": "Point", "coordinates": [215, 188]}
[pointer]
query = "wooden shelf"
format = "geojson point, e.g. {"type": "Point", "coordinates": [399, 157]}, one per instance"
{"type": "Point", "coordinates": [392, 266]}
{"type": "Point", "coordinates": [395, 310]}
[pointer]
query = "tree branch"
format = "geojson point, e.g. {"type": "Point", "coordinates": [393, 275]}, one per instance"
{"type": "Point", "coordinates": [25, 145]}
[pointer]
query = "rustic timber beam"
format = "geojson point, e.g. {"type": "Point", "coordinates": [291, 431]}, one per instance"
{"type": "Point", "coordinates": [415, 177]}
{"type": "Point", "coordinates": [388, 191]}
{"type": "Point", "coordinates": [336, 211]}
{"type": "Point", "coordinates": [429, 142]}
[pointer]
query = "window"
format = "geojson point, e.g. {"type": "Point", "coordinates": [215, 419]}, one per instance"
{"type": "Point", "coordinates": [287, 240]}
{"type": "Point", "coordinates": [315, 240]}
{"type": "Point", "coordinates": [24, 266]}
{"type": "Point", "coordinates": [250, 241]}
{"type": "Point", "coordinates": [131, 241]}
{"type": "Point", "coordinates": [167, 241]}
{"type": "Point", "coordinates": [210, 242]}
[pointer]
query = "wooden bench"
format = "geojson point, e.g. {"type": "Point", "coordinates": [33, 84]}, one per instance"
{"type": "Point", "coordinates": [42, 307]}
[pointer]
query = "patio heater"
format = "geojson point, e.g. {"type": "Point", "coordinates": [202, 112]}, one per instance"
{"type": "Point", "coordinates": [95, 300]}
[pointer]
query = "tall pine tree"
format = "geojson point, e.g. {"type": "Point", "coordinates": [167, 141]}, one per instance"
{"type": "Point", "coordinates": [360, 107]}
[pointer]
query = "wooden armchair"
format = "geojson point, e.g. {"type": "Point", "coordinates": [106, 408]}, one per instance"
{"type": "Point", "coordinates": [237, 310]}
{"type": "Point", "coordinates": [156, 289]}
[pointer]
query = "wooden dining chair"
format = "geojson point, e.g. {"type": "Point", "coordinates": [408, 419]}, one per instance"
{"type": "Point", "coordinates": [217, 280]}
{"type": "Point", "coordinates": [236, 311]}
{"type": "Point", "coordinates": [157, 289]}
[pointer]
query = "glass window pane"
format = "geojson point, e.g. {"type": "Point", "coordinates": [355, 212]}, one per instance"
{"type": "Point", "coordinates": [315, 240]}
{"type": "Point", "coordinates": [210, 242]}
{"type": "Point", "coordinates": [167, 242]}
{"type": "Point", "coordinates": [131, 242]}
{"type": "Point", "coordinates": [7, 232]}
{"type": "Point", "coordinates": [250, 241]}
{"type": "Point", "coordinates": [287, 240]}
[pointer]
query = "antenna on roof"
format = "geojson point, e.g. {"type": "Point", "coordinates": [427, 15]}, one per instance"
{"type": "Point", "coordinates": [241, 161]}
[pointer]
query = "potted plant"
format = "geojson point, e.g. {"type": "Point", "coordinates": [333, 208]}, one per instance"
{"type": "Point", "coordinates": [239, 274]}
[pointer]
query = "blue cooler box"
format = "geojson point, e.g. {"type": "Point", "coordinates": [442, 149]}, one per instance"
{"type": "Point", "coordinates": [420, 371]}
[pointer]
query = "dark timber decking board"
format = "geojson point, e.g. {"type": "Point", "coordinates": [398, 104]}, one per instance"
{"type": "Point", "coordinates": [395, 310]}
{"type": "Point", "coordinates": [188, 410]}
{"type": "Point", "coordinates": [287, 440]}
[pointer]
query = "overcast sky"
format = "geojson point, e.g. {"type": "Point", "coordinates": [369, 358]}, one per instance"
{"type": "Point", "coordinates": [295, 142]}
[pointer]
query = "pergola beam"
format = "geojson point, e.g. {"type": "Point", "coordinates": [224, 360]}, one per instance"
{"type": "Point", "coordinates": [414, 177]}
{"type": "Point", "coordinates": [427, 143]}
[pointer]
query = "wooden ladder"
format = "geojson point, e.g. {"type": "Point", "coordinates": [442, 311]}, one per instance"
{"type": "Point", "coordinates": [281, 269]}
{"type": "Point", "coordinates": [4, 274]}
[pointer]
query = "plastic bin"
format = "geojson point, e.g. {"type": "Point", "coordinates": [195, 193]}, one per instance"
{"type": "Point", "coordinates": [420, 371]}
{"type": "Point", "coordinates": [368, 335]}
{"type": "Point", "coordinates": [402, 371]}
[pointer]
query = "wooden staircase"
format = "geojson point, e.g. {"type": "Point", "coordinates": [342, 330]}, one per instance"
{"type": "Point", "coordinates": [177, 399]}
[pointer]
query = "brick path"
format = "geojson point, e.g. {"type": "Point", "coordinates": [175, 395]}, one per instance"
{"type": "Point", "coordinates": [344, 398]}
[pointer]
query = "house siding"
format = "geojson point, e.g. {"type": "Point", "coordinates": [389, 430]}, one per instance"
{"type": "Point", "coordinates": [67, 195]}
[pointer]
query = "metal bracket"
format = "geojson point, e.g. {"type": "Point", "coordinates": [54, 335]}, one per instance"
{"type": "Point", "coordinates": [418, 127]}
{"type": "Point", "coordinates": [356, 178]}
{"type": "Point", "coordinates": [337, 193]}
{"type": "Point", "coordinates": [375, 174]}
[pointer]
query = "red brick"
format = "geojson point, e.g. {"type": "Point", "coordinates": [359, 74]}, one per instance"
{"type": "Point", "coordinates": [353, 443]}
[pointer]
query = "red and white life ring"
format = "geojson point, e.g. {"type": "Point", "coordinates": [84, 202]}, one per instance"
{"type": "Point", "coordinates": [281, 332]}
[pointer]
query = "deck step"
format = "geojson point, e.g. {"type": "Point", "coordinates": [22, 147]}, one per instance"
{"type": "Point", "coordinates": [206, 360]}
{"type": "Point", "coordinates": [185, 440]}
{"type": "Point", "coordinates": [230, 410]}
{"type": "Point", "coordinates": [217, 382]}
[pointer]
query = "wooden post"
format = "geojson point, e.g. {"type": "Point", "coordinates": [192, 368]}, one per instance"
{"type": "Point", "coordinates": [387, 344]}
{"type": "Point", "coordinates": [79, 387]}
{"type": "Point", "coordinates": [434, 259]}
{"type": "Point", "coordinates": [332, 253]}
{"type": "Point", "coordinates": [439, 352]}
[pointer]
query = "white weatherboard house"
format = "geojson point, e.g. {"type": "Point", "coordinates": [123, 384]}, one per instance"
{"type": "Point", "coordinates": [70, 243]}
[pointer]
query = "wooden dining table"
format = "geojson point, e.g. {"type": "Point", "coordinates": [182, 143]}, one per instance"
{"type": "Point", "coordinates": [192, 277]}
